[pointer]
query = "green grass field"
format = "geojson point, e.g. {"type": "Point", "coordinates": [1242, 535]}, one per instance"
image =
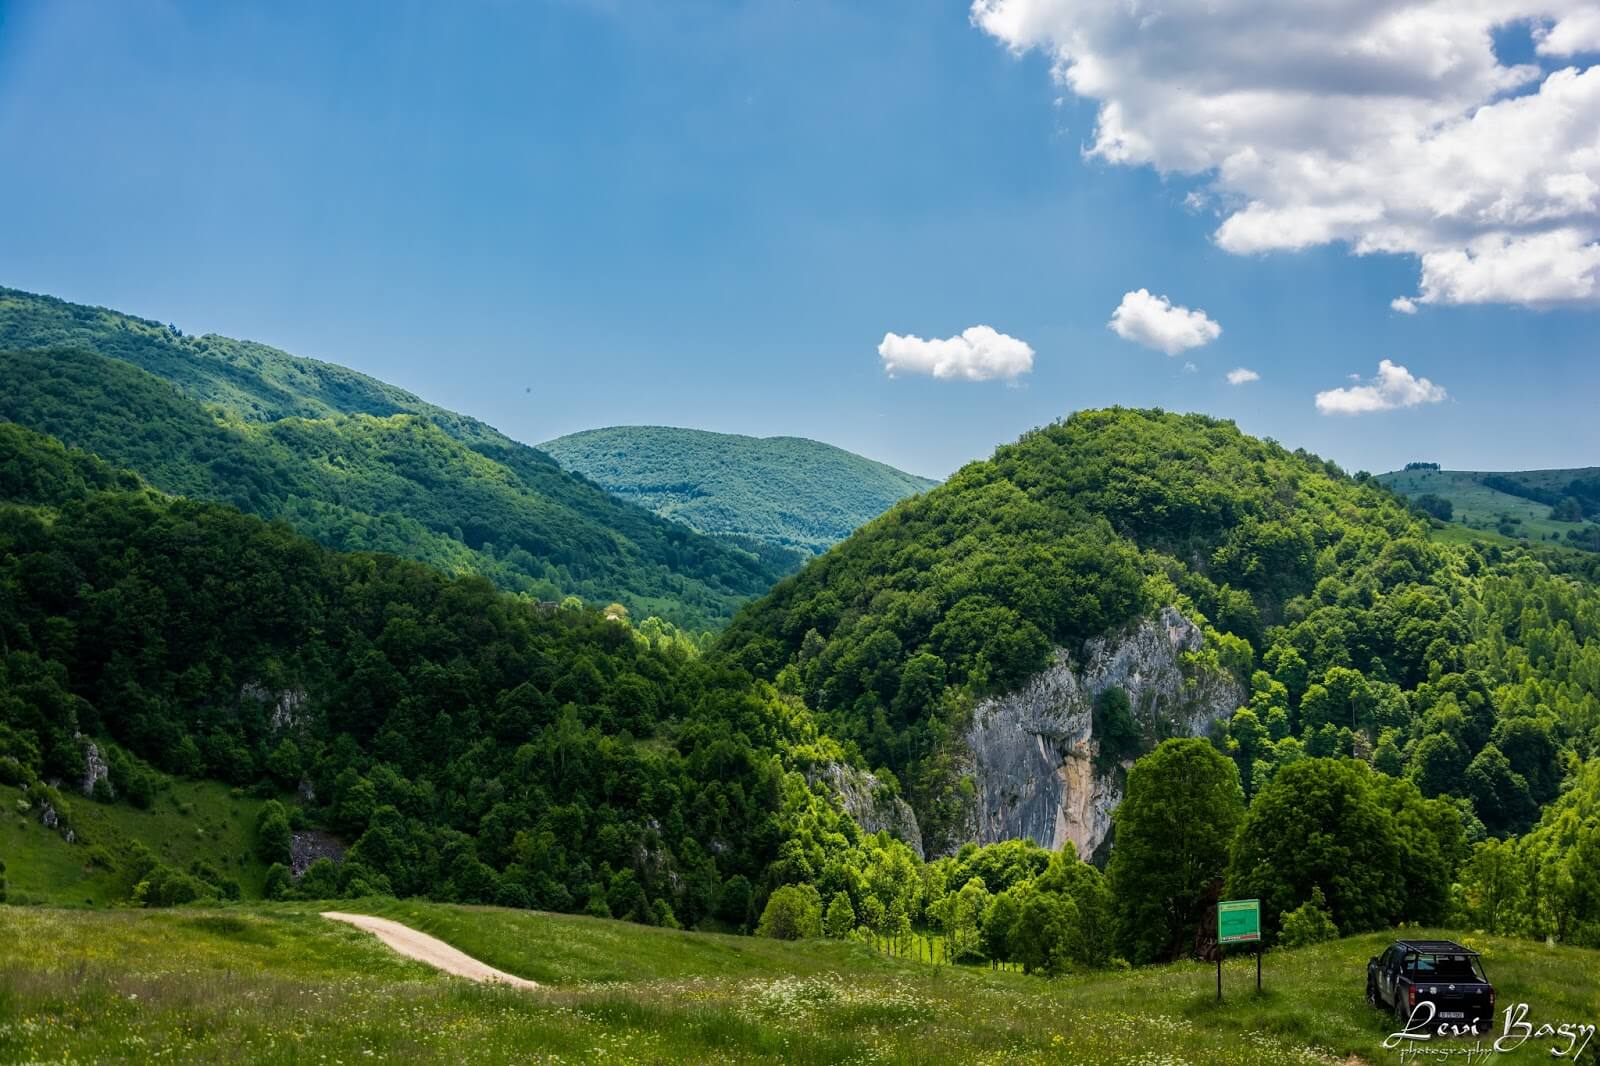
{"type": "Point", "coordinates": [188, 820]}
{"type": "Point", "coordinates": [276, 983]}
{"type": "Point", "coordinates": [1479, 507]}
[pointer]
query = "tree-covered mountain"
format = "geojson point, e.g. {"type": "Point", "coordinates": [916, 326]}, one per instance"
{"type": "Point", "coordinates": [1469, 669]}
{"type": "Point", "coordinates": [352, 462]}
{"type": "Point", "coordinates": [1406, 706]}
{"type": "Point", "coordinates": [468, 742]}
{"type": "Point", "coordinates": [786, 491]}
{"type": "Point", "coordinates": [1547, 506]}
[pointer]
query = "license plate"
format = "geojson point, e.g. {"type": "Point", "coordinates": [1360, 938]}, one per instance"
{"type": "Point", "coordinates": [1452, 1014]}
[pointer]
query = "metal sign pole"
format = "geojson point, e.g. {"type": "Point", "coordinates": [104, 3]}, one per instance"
{"type": "Point", "coordinates": [1219, 973]}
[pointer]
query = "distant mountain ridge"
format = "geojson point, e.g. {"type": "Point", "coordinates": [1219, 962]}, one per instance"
{"type": "Point", "coordinates": [792, 492]}
{"type": "Point", "coordinates": [352, 461]}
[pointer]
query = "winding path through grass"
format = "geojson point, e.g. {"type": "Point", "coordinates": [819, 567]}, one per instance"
{"type": "Point", "coordinates": [429, 949]}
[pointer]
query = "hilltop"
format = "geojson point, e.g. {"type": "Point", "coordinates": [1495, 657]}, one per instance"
{"type": "Point", "coordinates": [1006, 643]}
{"type": "Point", "coordinates": [787, 491]}
{"type": "Point", "coordinates": [353, 462]}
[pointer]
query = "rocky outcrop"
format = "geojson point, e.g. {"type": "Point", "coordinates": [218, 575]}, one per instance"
{"type": "Point", "coordinates": [865, 799]}
{"type": "Point", "coordinates": [51, 820]}
{"type": "Point", "coordinates": [95, 770]}
{"type": "Point", "coordinates": [309, 845]}
{"type": "Point", "coordinates": [288, 707]}
{"type": "Point", "coordinates": [1032, 752]}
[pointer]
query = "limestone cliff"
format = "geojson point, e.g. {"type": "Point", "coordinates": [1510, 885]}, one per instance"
{"type": "Point", "coordinates": [1031, 752]}
{"type": "Point", "coordinates": [861, 796]}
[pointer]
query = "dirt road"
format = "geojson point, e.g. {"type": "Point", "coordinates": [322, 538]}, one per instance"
{"type": "Point", "coordinates": [429, 949]}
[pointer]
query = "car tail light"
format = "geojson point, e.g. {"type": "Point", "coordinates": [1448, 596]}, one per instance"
{"type": "Point", "coordinates": [1411, 996]}
{"type": "Point", "coordinates": [1491, 999]}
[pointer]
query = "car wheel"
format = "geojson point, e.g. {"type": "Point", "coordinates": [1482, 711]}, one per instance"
{"type": "Point", "coordinates": [1372, 993]}
{"type": "Point", "coordinates": [1401, 1015]}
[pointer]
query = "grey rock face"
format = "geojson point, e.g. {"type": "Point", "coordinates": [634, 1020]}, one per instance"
{"type": "Point", "coordinates": [288, 707]}
{"type": "Point", "coordinates": [310, 845]}
{"type": "Point", "coordinates": [862, 798]}
{"type": "Point", "coordinates": [95, 770]}
{"type": "Point", "coordinates": [1032, 751]}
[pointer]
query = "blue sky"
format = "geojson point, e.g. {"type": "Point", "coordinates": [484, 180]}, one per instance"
{"type": "Point", "coordinates": [556, 216]}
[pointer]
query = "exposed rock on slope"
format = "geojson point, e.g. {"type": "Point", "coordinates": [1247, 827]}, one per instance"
{"type": "Point", "coordinates": [865, 800]}
{"type": "Point", "coordinates": [1033, 751]}
{"type": "Point", "coordinates": [95, 770]}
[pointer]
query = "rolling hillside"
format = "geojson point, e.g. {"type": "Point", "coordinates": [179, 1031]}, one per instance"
{"type": "Point", "coordinates": [1519, 504]}
{"type": "Point", "coordinates": [354, 462]}
{"type": "Point", "coordinates": [786, 491]}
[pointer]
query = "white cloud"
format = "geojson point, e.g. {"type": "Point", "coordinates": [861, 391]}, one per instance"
{"type": "Point", "coordinates": [1404, 304]}
{"type": "Point", "coordinates": [1241, 375]}
{"type": "Point", "coordinates": [1393, 387]}
{"type": "Point", "coordinates": [978, 354]}
{"type": "Point", "coordinates": [1388, 125]}
{"type": "Point", "coordinates": [1190, 368]}
{"type": "Point", "coordinates": [1155, 322]}
{"type": "Point", "coordinates": [1578, 31]}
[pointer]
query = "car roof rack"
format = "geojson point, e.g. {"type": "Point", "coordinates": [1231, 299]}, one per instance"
{"type": "Point", "coordinates": [1436, 947]}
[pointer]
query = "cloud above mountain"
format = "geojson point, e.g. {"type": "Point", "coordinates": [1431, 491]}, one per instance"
{"type": "Point", "coordinates": [1390, 126]}
{"type": "Point", "coordinates": [1156, 322]}
{"type": "Point", "coordinates": [1393, 388]}
{"type": "Point", "coordinates": [978, 353]}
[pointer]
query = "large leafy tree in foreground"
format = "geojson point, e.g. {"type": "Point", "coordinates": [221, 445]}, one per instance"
{"type": "Point", "coordinates": [1380, 852]}
{"type": "Point", "coordinates": [1173, 832]}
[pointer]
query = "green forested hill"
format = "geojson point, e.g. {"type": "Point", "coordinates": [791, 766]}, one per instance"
{"type": "Point", "coordinates": [351, 461]}
{"type": "Point", "coordinates": [467, 741]}
{"type": "Point", "coordinates": [1411, 706]}
{"type": "Point", "coordinates": [1549, 506]}
{"type": "Point", "coordinates": [787, 491]}
{"type": "Point", "coordinates": [1467, 669]}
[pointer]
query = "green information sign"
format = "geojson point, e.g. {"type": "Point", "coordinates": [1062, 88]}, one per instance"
{"type": "Point", "coordinates": [1238, 921]}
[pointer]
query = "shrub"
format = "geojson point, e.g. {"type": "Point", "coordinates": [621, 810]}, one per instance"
{"type": "Point", "coordinates": [272, 833]}
{"type": "Point", "coordinates": [841, 917]}
{"type": "Point", "coordinates": [1308, 923]}
{"type": "Point", "coordinates": [793, 912]}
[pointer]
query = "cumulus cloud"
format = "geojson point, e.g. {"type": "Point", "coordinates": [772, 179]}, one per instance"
{"type": "Point", "coordinates": [1388, 125]}
{"type": "Point", "coordinates": [1404, 304]}
{"type": "Point", "coordinates": [1394, 387]}
{"type": "Point", "coordinates": [1242, 375]}
{"type": "Point", "coordinates": [978, 354]}
{"type": "Point", "coordinates": [1156, 322]}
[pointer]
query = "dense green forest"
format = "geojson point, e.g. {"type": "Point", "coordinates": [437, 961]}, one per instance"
{"type": "Point", "coordinates": [1417, 744]}
{"type": "Point", "coordinates": [469, 742]}
{"type": "Point", "coordinates": [786, 491]}
{"type": "Point", "coordinates": [354, 463]}
{"type": "Point", "coordinates": [1469, 670]}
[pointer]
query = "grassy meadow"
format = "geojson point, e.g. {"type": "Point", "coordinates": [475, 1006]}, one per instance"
{"type": "Point", "coordinates": [1479, 507]}
{"type": "Point", "coordinates": [187, 821]}
{"type": "Point", "coordinates": [278, 984]}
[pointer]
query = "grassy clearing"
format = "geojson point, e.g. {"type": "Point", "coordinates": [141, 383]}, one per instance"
{"type": "Point", "coordinates": [278, 984]}
{"type": "Point", "coordinates": [1479, 507]}
{"type": "Point", "coordinates": [188, 821]}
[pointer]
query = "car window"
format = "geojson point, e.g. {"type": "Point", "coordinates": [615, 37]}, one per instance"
{"type": "Point", "coordinates": [1450, 967]}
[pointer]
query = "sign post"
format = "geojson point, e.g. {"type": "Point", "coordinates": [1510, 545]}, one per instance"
{"type": "Point", "coordinates": [1238, 922]}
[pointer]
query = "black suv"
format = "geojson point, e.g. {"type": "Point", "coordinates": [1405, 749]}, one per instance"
{"type": "Point", "coordinates": [1440, 972]}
